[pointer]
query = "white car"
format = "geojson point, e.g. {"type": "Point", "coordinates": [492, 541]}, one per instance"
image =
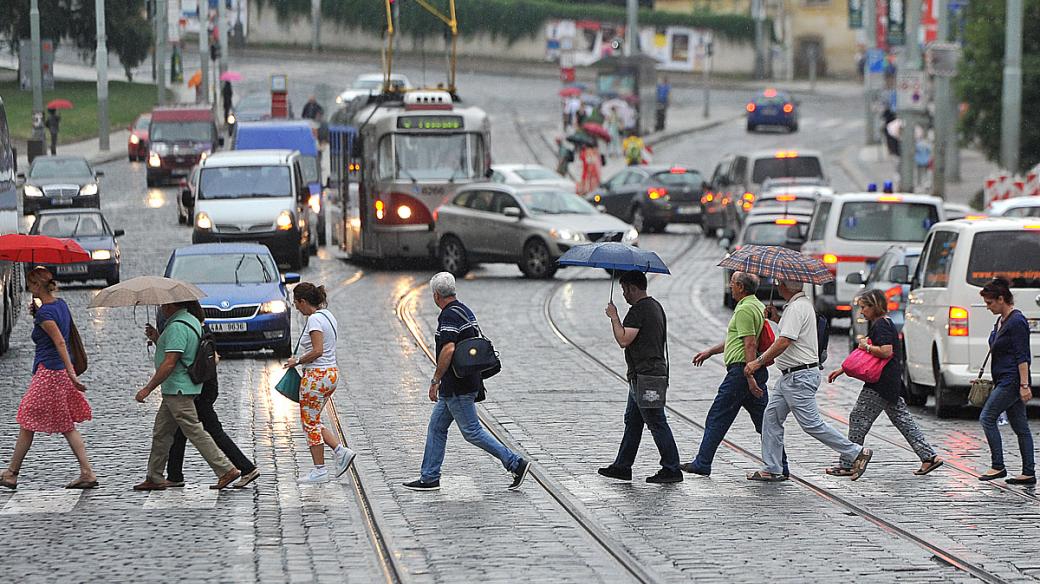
{"type": "Point", "coordinates": [1016, 207]}
{"type": "Point", "coordinates": [369, 84]}
{"type": "Point", "coordinates": [531, 175]}
{"type": "Point", "coordinates": [947, 324]}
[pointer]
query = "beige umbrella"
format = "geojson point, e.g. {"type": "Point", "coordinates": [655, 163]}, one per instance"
{"type": "Point", "coordinates": [146, 291]}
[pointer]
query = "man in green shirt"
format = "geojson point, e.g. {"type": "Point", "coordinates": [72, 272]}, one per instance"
{"type": "Point", "coordinates": [736, 391]}
{"type": "Point", "coordinates": [175, 351]}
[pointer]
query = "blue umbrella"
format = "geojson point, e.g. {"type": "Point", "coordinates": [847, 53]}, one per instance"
{"type": "Point", "coordinates": [613, 256]}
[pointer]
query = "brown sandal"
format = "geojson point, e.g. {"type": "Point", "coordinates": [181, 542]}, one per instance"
{"type": "Point", "coordinates": [764, 476]}
{"type": "Point", "coordinates": [4, 482]}
{"type": "Point", "coordinates": [930, 465]}
{"type": "Point", "coordinates": [839, 471]}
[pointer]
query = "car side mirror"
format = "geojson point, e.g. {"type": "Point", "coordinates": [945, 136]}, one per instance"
{"type": "Point", "coordinates": [99, 174]}
{"type": "Point", "coordinates": [186, 199]}
{"type": "Point", "coordinates": [854, 278]}
{"type": "Point", "coordinates": [291, 278]}
{"type": "Point", "coordinates": [899, 274]}
{"type": "Point", "coordinates": [513, 212]}
{"type": "Point", "coordinates": [795, 235]}
{"type": "Point", "coordinates": [118, 233]}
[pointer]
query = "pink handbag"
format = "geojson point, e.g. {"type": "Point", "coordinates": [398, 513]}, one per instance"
{"type": "Point", "coordinates": [864, 366]}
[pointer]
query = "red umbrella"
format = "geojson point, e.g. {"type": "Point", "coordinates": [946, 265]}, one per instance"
{"type": "Point", "coordinates": [59, 104]}
{"type": "Point", "coordinates": [570, 92]}
{"type": "Point", "coordinates": [596, 130]}
{"type": "Point", "coordinates": [40, 249]}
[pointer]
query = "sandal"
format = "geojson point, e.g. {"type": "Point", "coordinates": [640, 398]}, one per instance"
{"type": "Point", "coordinates": [859, 466]}
{"type": "Point", "coordinates": [929, 465]}
{"type": "Point", "coordinates": [5, 482]}
{"type": "Point", "coordinates": [767, 477]}
{"type": "Point", "coordinates": [82, 483]}
{"type": "Point", "coordinates": [839, 471]}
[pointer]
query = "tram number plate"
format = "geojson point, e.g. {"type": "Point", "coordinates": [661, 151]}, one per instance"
{"type": "Point", "coordinates": [429, 123]}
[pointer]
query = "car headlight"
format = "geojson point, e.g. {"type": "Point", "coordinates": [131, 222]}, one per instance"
{"type": "Point", "coordinates": [101, 254]}
{"type": "Point", "coordinates": [315, 203]}
{"type": "Point", "coordinates": [567, 235]}
{"type": "Point", "coordinates": [339, 99]}
{"type": "Point", "coordinates": [231, 119]}
{"type": "Point", "coordinates": [202, 221]}
{"type": "Point", "coordinates": [31, 191]}
{"type": "Point", "coordinates": [134, 139]}
{"type": "Point", "coordinates": [630, 236]}
{"type": "Point", "coordinates": [284, 221]}
{"type": "Point", "coordinates": [153, 159]}
{"type": "Point", "coordinates": [88, 190]}
{"type": "Point", "coordinates": [274, 307]}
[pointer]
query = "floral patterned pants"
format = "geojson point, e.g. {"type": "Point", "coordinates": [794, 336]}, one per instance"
{"type": "Point", "coordinates": [316, 387]}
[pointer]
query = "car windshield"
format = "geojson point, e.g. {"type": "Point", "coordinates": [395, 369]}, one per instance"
{"type": "Point", "coordinates": [75, 168]}
{"type": "Point", "coordinates": [436, 156]}
{"type": "Point", "coordinates": [679, 179]}
{"type": "Point", "coordinates": [142, 123]}
{"type": "Point", "coordinates": [555, 203]}
{"type": "Point", "coordinates": [990, 258]}
{"type": "Point", "coordinates": [801, 206]}
{"type": "Point", "coordinates": [368, 83]}
{"type": "Point", "coordinates": [71, 225]}
{"type": "Point", "coordinates": [536, 173]}
{"type": "Point", "coordinates": [225, 268]}
{"type": "Point", "coordinates": [886, 221]}
{"type": "Point", "coordinates": [245, 182]}
{"type": "Point", "coordinates": [181, 132]}
{"type": "Point", "coordinates": [796, 167]}
{"type": "Point", "coordinates": [766, 234]}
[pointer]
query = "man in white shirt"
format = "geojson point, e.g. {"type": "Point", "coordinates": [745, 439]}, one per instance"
{"type": "Point", "coordinates": [797, 355]}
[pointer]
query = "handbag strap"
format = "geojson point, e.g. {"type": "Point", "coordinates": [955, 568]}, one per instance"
{"type": "Point", "coordinates": [335, 333]}
{"type": "Point", "coordinates": [458, 310]}
{"type": "Point", "coordinates": [997, 328]}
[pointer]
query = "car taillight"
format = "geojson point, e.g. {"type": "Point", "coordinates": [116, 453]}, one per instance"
{"type": "Point", "coordinates": [709, 197]}
{"type": "Point", "coordinates": [958, 326]}
{"type": "Point", "coordinates": [656, 193]}
{"type": "Point", "coordinates": [750, 107]}
{"type": "Point", "coordinates": [894, 295]}
{"type": "Point", "coordinates": [788, 108]}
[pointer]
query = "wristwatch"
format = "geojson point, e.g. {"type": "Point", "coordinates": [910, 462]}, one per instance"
{"type": "Point", "coordinates": [435, 381]}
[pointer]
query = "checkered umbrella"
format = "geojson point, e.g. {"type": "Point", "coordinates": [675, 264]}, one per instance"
{"type": "Point", "coordinates": [780, 263]}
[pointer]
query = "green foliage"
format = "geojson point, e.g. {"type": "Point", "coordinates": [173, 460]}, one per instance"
{"type": "Point", "coordinates": [126, 27]}
{"type": "Point", "coordinates": [980, 79]}
{"type": "Point", "coordinates": [509, 19]}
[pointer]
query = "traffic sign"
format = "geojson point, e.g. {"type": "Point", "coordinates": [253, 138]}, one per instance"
{"type": "Point", "coordinates": [875, 61]}
{"type": "Point", "coordinates": [911, 93]}
{"type": "Point", "coordinates": [941, 59]}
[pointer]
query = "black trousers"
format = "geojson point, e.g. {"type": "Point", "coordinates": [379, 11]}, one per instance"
{"type": "Point", "coordinates": [208, 416]}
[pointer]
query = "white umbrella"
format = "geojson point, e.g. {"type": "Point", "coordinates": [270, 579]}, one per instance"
{"type": "Point", "coordinates": [146, 291]}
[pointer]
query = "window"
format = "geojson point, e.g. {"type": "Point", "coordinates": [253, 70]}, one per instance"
{"type": "Point", "coordinates": [618, 179]}
{"type": "Point", "coordinates": [245, 182]}
{"type": "Point", "coordinates": [940, 259]}
{"type": "Point", "coordinates": [143, 122]}
{"type": "Point", "coordinates": [71, 225]}
{"type": "Point", "coordinates": [739, 170]}
{"type": "Point", "coordinates": [556, 203]}
{"type": "Point", "coordinates": [819, 225]}
{"type": "Point", "coordinates": [799, 167]}
{"type": "Point", "coordinates": [679, 179]}
{"type": "Point", "coordinates": [181, 132]}
{"type": "Point", "coordinates": [990, 258]}
{"type": "Point", "coordinates": [881, 268]}
{"type": "Point", "coordinates": [881, 221]}
{"type": "Point", "coordinates": [1023, 212]}
{"type": "Point", "coordinates": [498, 177]}
{"type": "Point", "coordinates": [481, 200]}
{"type": "Point", "coordinates": [60, 168]}
{"type": "Point", "coordinates": [536, 173]}
{"type": "Point", "coordinates": [766, 234]}
{"type": "Point", "coordinates": [635, 178]}
{"type": "Point", "coordinates": [503, 201]}
{"type": "Point", "coordinates": [425, 157]}
{"type": "Point", "coordinates": [461, 198]}
{"type": "Point", "coordinates": [225, 268]}
{"type": "Point", "coordinates": [386, 158]}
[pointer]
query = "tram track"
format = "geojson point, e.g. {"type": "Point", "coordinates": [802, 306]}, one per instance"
{"type": "Point", "coordinates": [938, 552]}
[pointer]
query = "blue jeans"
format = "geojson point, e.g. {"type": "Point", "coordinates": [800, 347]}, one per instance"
{"type": "Point", "coordinates": [461, 410]}
{"type": "Point", "coordinates": [653, 418]}
{"type": "Point", "coordinates": [1005, 398]}
{"type": "Point", "coordinates": [733, 395]}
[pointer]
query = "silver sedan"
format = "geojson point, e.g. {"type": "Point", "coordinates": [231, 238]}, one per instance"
{"type": "Point", "coordinates": [529, 226]}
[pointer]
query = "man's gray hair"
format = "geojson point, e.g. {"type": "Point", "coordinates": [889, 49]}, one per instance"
{"type": "Point", "coordinates": [793, 285]}
{"type": "Point", "coordinates": [443, 284]}
{"type": "Point", "coordinates": [749, 282]}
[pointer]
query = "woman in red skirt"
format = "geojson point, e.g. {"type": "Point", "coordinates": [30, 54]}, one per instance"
{"type": "Point", "coordinates": [54, 402]}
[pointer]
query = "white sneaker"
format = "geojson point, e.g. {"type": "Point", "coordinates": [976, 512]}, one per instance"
{"type": "Point", "coordinates": [314, 477]}
{"type": "Point", "coordinates": [343, 461]}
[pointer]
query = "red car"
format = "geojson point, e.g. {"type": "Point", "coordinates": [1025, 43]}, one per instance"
{"type": "Point", "coordinates": [137, 145]}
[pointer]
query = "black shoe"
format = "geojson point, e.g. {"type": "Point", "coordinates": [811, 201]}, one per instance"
{"type": "Point", "coordinates": [692, 469]}
{"type": "Point", "coordinates": [616, 473]}
{"type": "Point", "coordinates": [521, 473]}
{"type": "Point", "coordinates": [664, 476]}
{"type": "Point", "coordinates": [993, 477]}
{"type": "Point", "coordinates": [419, 485]}
{"type": "Point", "coordinates": [1017, 481]}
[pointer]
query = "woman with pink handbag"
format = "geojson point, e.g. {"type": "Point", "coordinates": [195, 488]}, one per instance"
{"type": "Point", "coordinates": [877, 362]}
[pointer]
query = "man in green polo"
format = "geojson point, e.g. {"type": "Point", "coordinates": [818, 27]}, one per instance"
{"type": "Point", "coordinates": [736, 391]}
{"type": "Point", "coordinates": [175, 351]}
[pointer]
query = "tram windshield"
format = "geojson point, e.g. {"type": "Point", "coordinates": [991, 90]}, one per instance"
{"type": "Point", "coordinates": [422, 157]}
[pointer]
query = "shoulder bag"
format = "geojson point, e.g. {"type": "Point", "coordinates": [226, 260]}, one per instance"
{"type": "Point", "coordinates": [652, 390]}
{"type": "Point", "coordinates": [475, 354]}
{"type": "Point", "coordinates": [77, 352]}
{"type": "Point", "coordinates": [289, 384]}
{"type": "Point", "coordinates": [864, 366]}
{"type": "Point", "coordinates": [981, 388]}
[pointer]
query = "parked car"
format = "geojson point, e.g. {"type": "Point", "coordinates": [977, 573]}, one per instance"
{"type": "Point", "coordinates": [247, 304]}
{"type": "Point", "coordinates": [90, 229]}
{"type": "Point", "coordinates": [531, 175]}
{"type": "Point", "coordinates": [1015, 207]}
{"type": "Point", "coordinates": [642, 196]}
{"type": "Point", "coordinates": [529, 226]}
{"type": "Point", "coordinates": [761, 228]}
{"type": "Point", "coordinates": [56, 182]}
{"type": "Point", "coordinates": [179, 138]}
{"type": "Point", "coordinates": [772, 108]}
{"type": "Point", "coordinates": [886, 277]}
{"type": "Point", "coordinates": [368, 84]}
{"type": "Point", "coordinates": [137, 143]}
{"type": "Point", "coordinates": [850, 231]}
{"type": "Point", "coordinates": [947, 324]}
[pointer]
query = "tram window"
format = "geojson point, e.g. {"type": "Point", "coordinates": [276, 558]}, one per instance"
{"type": "Point", "coordinates": [386, 157]}
{"type": "Point", "coordinates": [481, 200]}
{"type": "Point", "coordinates": [435, 156]}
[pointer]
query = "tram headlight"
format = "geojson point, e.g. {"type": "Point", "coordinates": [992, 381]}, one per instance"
{"type": "Point", "coordinates": [404, 212]}
{"type": "Point", "coordinates": [380, 210]}
{"type": "Point", "coordinates": [203, 222]}
{"type": "Point", "coordinates": [284, 221]}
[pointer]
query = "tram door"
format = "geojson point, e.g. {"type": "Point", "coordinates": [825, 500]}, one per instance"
{"type": "Point", "coordinates": [342, 201]}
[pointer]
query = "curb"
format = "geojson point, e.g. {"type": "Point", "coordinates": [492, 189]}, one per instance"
{"type": "Point", "coordinates": [669, 135]}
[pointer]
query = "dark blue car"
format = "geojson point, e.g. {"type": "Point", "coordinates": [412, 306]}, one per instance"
{"type": "Point", "coordinates": [772, 108]}
{"type": "Point", "coordinates": [247, 304]}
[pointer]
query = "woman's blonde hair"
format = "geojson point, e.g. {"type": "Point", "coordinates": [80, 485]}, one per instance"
{"type": "Point", "coordinates": [42, 275]}
{"type": "Point", "coordinates": [874, 299]}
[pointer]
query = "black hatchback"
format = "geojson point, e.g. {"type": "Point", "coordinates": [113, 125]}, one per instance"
{"type": "Point", "coordinates": [652, 196]}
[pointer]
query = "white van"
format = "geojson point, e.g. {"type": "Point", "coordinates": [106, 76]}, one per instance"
{"type": "Point", "coordinates": [850, 231]}
{"type": "Point", "coordinates": [254, 195]}
{"type": "Point", "coordinates": [946, 335]}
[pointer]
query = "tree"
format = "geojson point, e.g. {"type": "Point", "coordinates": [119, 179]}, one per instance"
{"type": "Point", "coordinates": [980, 79]}
{"type": "Point", "coordinates": [127, 28]}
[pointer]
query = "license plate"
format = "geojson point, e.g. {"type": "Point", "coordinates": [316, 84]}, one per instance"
{"type": "Point", "coordinates": [1034, 325]}
{"type": "Point", "coordinates": [688, 210]}
{"type": "Point", "coordinates": [72, 268]}
{"type": "Point", "coordinates": [768, 111]}
{"type": "Point", "coordinates": [227, 327]}
{"type": "Point", "coordinates": [61, 201]}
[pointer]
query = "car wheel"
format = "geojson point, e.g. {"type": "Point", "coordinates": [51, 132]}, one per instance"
{"type": "Point", "coordinates": [452, 255]}
{"type": "Point", "coordinates": [943, 398]}
{"type": "Point", "coordinates": [283, 350]}
{"type": "Point", "coordinates": [536, 261]}
{"type": "Point", "coordinates": [751, 127]}
{"type": "Point", "coordinates": [639, 221]}
{"type": "Point", "coordinates": [793, 127]}
{"type": "Point", "coordinates": [913, 393]}
{"type": "Point", "coordinates": [151, 182]}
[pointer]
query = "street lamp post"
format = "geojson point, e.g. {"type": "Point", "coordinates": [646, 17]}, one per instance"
{"type": "Point", "coordinates": [160, 50]}
{"type": "Point", "coordinates": [632, 28]}
{"type": "Point", "coordinates": [911, 62]}
{"type": "Point", "coordinates": [102, 75]}
{"type": "Point", "coordinates": [1011, 100]}
{"type": "Point", "coordinates": [945, 123]}
{"type": "Point", "coordinates": [37, 79]}
{"type": "Point", "coordinates": [758, 13]}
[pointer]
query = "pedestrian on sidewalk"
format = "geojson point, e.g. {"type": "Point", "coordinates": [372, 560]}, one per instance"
{"type": "Point", "coordinates": [591, 161]}
{"type": "Point", "coordinates": [633, 147]}
{"type": "Point", "coordinates": [312, 109]}
{"type": "Point", "coordinates": [644, 336]}
{"type": "Point", "coordinates": [227, 94]}
{"type": "Point", "coordinates": [210, 422]}
{"type": "Point", "coordinates": [455, 396]}
{"type": "Point", "coordinates": [52, 123]}
{"type": "Point", "coordinates": [320, 378]}
{"type": "Point", "coordinates": [613, 123]}
{"type": "Point", "coordinates": [1011, 358]}
{"type": "Point", "coordinates": [737, 391]}
{"type": "Point", "coordinates": [664, 92]}
{"type": "Point", "coordinates": [54, 402]}
{"type": "Point", "coordinates": [883, 395]}
{"type": "Point", "coordinates": [796, 351]}
{"type": "Point", "coordinates": [175, 351]}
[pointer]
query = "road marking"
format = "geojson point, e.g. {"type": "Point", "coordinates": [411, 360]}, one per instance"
{"type": "Point", "coordinates": [41, 502]}
{"type": "Point", "coordinates": [188, 497]}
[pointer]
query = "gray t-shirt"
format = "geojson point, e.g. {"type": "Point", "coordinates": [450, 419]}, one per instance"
{"type": "Point", "coordinates": [798, 323]}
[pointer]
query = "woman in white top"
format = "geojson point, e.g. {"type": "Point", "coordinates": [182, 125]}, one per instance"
{"type": "Point", "coordinates": [319, 378]}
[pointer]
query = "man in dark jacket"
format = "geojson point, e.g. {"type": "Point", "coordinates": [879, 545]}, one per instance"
{"type": "Point", "coordinates": [312, 109]}
{"type": "Point", "coordinates": [455, 396]}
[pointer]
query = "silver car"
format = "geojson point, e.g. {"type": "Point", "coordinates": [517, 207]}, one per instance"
{"type": "Point", "coordinates": [530, 226]}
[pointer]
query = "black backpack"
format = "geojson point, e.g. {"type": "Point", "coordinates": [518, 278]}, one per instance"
{"type": "Point", "coordinates": [822, 338]}
{"type": "Point", "coordinates": [204, 367]}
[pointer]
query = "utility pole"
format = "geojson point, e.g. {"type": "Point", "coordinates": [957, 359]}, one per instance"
{"type": "Point", "coordinates": [204, 50]}
{"type": "Point", "coordinates": [945, 123]}
{"type": "Point", "coordinates": [160, 50]}
{"type": "Point", "coordinates": [37, 80]}
{"type": "Point", "coordinates": [869, 78]}
{"type": "Point", "coordinates": [758, 13]}
{"type": "Point", "coordinates": [101, 58]}
{"type": "Point", "coordinates": [709, 50]}
{"type": "Point", "coordinates": [222, 36]}
{"type": "Point", "coordinates": [1011, 101]}
{"type": "Point", "coordinates": [632, 28]}
{"type": "Point", "coordinates": [910, 117]}
{"type": "Point", "coordinates": [315, 25]}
